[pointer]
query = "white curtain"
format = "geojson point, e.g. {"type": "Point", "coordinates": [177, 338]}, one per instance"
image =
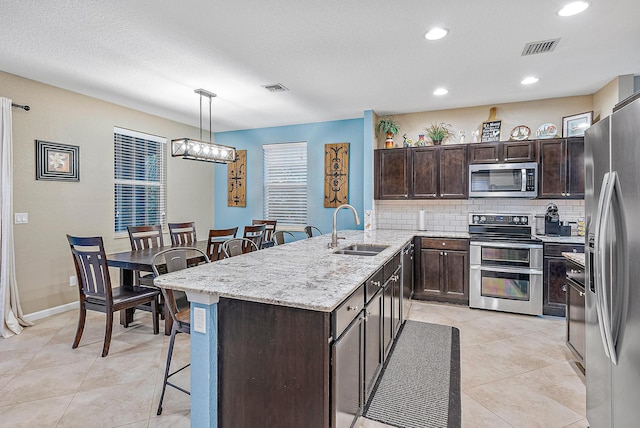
{"type": "Point", "coordinates": [10, 310]}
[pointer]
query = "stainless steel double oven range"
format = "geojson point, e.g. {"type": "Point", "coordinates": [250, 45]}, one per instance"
{"type": "Point", "coordinates": [505, 264]}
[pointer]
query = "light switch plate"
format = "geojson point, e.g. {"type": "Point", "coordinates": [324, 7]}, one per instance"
{"type": "Point", "coordinates": [200, 320]}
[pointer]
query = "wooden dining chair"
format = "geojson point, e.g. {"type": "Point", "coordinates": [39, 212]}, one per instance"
{"type": "Point", "coordinates": [281, 236]}
{"type": "Point", "coordinates": [267, 239]}
{"type": "Point", "coordinates": [143, 237]}
{"type": "Point", "coordinates": [216, 238]}
{"type": "Point", "coordinates": [183, 233]}
{"type": "Point", "coordinates": [172, 260]}
{"type": "Point", "coordinates": [312, 231]}
{"type": "Point", "coordinates": [236, 246]}
{"type": "Point", "coordinates": [255, 233]}
{"type": "Point", "coordinates": [96, 292]}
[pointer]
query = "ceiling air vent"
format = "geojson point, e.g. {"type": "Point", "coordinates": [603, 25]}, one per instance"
{"type": "Point", "coordinates": [276, 87]}
{"type": "Point", "coordinates": [544, 46]}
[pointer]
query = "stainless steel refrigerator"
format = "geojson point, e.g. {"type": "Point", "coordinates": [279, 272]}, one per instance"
{"type": "Point", "coordinates": [612, 204]}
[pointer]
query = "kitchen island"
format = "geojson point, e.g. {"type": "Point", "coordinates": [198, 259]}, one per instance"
{"type": "Point", "coordinates": [274, 332]}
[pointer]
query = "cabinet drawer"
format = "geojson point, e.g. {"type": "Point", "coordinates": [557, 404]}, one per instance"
{"type": "Point", "coordinates": [347, 312]}
{"type": "Point", "coordinates": [449, 244]}
{"type": "Point", "coordinates": [576, 274]}
{"type": "Point", "coordinates": [373, 284]}
{"type": "Point", "coordinates": [391, 266]}
{"type": "Point", "coordinates": [556, 250]}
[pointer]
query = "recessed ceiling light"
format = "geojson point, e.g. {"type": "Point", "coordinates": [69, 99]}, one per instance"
{"type": "Point", "coordinates": [436, 33]}
{"type": "Point", "coordinates": [573, 8]}
{"type": "Point", "coordinates": [529, 80]}
{"type": "Point", "coordinates": [440, 91]}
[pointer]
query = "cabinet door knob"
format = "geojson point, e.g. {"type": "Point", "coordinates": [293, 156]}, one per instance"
{"type": "Point", "coordinates": [581, 293]}
{"type": "Point", "coordinates": [564, 288]}
{"type": "Point", "coordinates": [562, 194]}
{"type": "Point", "coordinates": [376, 283]}
{"type": "Point", "coordinates": [445, 253]}
{"type": "Point", "coordinates": [568, 194]}
{"type": "Point", "coordinates": [442, 253]}
{"type": "Point", "coordinates": [352, 308]}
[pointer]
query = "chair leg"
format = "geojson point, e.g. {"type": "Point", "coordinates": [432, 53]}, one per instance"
{"type": "Point", "coordinates": [155, 314]}
{"type": "Point", "coordinates": [168, 366]}
{"type": "Point", "coordinates": [81, 319]}
{"type": "Point", "coordinates": [107, 334]}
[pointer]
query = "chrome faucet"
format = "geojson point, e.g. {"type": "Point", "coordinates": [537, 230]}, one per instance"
{"type": "Point", "coordinates": [334, 233]}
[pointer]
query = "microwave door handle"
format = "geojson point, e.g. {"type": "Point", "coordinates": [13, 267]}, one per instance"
{"type": "Point", "coordinates": [598, 264]}
{"type": "Point", "coordinates": [523, 180]}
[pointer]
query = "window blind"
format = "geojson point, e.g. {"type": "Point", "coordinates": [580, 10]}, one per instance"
{"type": "Point", "coordinates": [140, 166]}
{"type": "Point", "coordinates": [285, 182]}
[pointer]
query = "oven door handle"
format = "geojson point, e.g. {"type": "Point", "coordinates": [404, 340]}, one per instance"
{"type": "Point", "coordinates": [505, 245]}
{"type": "Point", "coordinates": [507, 270]}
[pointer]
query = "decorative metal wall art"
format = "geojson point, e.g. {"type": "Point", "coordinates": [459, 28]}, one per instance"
{"type": "Point", "coordinates": [336, 174]}
{"type": "Point", "coordinates": [237, 180]}
{"type": "Point", "coordinates": [55, 161]}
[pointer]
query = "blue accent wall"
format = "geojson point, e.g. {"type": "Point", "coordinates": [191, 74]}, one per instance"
{"type": "Point", "coordinates": [316, 135]}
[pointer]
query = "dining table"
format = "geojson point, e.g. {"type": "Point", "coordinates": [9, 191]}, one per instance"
{"type": "Point", "coordinates": [128, 262]}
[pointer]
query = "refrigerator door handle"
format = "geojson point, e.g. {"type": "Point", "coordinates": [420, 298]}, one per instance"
{"type": "Point", "coordinates": [598, 264]}
{"type": "Point", "coordinates": [607, 319]}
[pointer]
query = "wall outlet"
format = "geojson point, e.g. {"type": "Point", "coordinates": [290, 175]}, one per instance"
{"type": "Point", "coordinates": [21, 218]}
{"type": "Point", "coordinates": [200, 320]}
{"type": "Point", "coordinates": [73, 281]}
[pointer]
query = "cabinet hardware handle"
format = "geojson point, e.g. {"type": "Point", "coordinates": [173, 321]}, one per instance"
{"type": "Point", "coordinates": [564, 288]}
{"type": "Point", "coordinates": [352, 308]}
{"type": "Point", "coordinates": [406, 196]}
{"type": "Point", "coordinates": [376, 283]}
{"type": "Point", "coordinates": [575, 251]}
{"type": "Point", "coordinates": [445, 253]}
{"type": "Point", "coordinates": [581, 293]}
{"type": "Point", "coordinates": [442, 253]}
{"type": "Point", "coordinates": [562, 193]}
{"type": "Point", "coordinates": [568, 194]}
{"type": "Point", "coordinates": [444, 243]}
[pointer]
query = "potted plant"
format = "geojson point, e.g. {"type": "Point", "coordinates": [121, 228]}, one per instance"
{"type": "Point", "coordinates": [388, 126]}
{"type": "Point", "coordinates": [439, 132]}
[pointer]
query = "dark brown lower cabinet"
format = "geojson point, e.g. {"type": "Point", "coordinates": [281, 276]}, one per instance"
{"type": "Point", "coordinates": [444, 270]}
{"type": "Point", "coordinates": [554, 294]}
{"type": "Point", "coordinates": [576, 339]}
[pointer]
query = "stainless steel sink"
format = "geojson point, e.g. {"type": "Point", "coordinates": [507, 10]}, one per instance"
{"type": "Point", "coordinates": [361, 250]}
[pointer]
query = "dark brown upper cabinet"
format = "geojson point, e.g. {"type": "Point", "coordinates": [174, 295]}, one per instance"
{"type": "Point", "coordinates": [431, 172]}
{"type": "Point", "coordinates": [561, 168]}
{"type": "Point", "coordinates": [502, 152]}
{"type": "Point", "coordinates": [391, 171]}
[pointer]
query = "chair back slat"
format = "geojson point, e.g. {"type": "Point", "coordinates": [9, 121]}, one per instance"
{"type": "Point", "coordinates": [312, 231]}
{"type": "Point", "coordinates": [182, 233]}
{"type": "Point", "coordinates": [91, 267]}
{"type": "Point", "coordinates": [269, 230]}
{"type": "Point", "coordinates": [216, 238]}
{"type": "Point", "coordinates": [143, 237]}
{"type": "Point", "coordinates": [255, 233]}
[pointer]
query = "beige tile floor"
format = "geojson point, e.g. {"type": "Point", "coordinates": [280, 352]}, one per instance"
{"type": "Point", "coordinates": [516, 372]}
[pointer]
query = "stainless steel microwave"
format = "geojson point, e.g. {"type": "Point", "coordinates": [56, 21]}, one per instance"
{"type": "Point", "coordinates": [504, 180]}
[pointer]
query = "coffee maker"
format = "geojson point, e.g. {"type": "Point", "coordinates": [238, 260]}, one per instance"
{"type": "Point", "coordinates": [552, 220]}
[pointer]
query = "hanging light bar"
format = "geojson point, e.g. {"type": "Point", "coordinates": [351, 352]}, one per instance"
{"type": "Point", "coordinates": [189, 148]}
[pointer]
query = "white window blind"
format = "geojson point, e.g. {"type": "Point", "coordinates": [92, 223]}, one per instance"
{"type": "Point", "coordinates": [140, 166]}
{"type": "Point", "coordinates": [285, 182]}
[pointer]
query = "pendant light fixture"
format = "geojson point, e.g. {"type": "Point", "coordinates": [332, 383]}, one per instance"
{"type": "Point", "coordinates": [189, 148]}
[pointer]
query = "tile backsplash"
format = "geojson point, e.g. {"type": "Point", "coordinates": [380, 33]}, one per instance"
{"type": "Point", "coordinates": [452, 215]}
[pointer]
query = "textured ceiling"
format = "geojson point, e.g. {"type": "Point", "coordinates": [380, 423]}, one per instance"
{"type": "Point", "coordinates": [337, 57]}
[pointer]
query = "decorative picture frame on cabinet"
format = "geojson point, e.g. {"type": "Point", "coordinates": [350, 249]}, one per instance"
{"type": "Point", "coordinates": [490, 131]}
{"type": "Point", "coordinates": [58, 162]}
{"type": "Point", "coordinates": [574, 126]}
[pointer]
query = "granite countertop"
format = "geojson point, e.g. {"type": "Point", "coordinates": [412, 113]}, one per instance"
{"type": "Point", "coordinates": [561, 239]}
{"type": "Point", "coordinates": [302, 274]}
{"type": "Point", "coordinates": [441, 234]}
{"type": "Point", "coordinates": [577, 258]}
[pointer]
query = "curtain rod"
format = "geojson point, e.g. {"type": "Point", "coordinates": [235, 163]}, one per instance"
{"type": "Point", "coordinates": [25, 108]}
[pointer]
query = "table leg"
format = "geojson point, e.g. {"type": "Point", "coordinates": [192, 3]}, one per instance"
{"type": "Point", "coordinates": [168, 321]}
{"type": "Point", "coordinates": [126, 281]}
